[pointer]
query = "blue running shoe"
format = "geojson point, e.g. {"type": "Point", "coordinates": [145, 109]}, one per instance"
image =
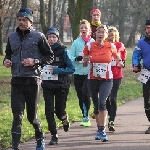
{"type": "Point", "coordinates": [40, 144]}
{"type": "Point", "coordinates": [101, 136]}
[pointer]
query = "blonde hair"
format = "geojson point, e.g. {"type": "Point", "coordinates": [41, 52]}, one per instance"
{"type": "Point", "coordinates": [83, 21]}
{"type": "Point", "coordinates": [102, 26]}
{"type": "Point", "coordinates": [115, 32]}
{"type": "Point", "coordinates": [105, 29]}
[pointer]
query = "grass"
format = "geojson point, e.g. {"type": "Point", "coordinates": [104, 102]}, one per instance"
{"type": "Point", "coordinates": [130, 89]}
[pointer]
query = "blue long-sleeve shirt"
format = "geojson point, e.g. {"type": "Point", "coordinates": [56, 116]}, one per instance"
{"type": "Point", "coordinates": [69, 65]}
{"type": "Point", "coordinates": [142, 52]}
{"type": "Point", "coordinates": [76, 48]}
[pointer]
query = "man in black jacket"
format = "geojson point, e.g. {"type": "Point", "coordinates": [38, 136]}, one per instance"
{"type": "Point", "coordinates": [26, 50]}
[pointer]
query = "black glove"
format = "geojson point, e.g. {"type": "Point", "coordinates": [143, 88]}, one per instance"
{"type": "Point", "coordinates": [79, 58]}
{"type": "Point", "coordinates": [139, 68]}
{"type": "Point", "coordinates": [123, 63]}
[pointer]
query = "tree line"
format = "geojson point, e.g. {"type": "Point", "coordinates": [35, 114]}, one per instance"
{"type": "Point", "coordinates": [128, 16]}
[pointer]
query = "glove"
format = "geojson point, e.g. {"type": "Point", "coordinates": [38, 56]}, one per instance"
{"type": "Point", "coordinates": [139, 68]}
{"type": "Point", "coordinates": [124, 63]}
{"type": "Point", "coordinates": [79, 58]}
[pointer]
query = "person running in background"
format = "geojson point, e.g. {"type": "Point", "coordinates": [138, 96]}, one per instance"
{"type": "Point", "coordinates": [95, 22]}
{"type": "Point", "coordinates": [26, 50]}
{"type": "Point", "coordinates": [111, 103]}
{"type": "Point", "coordinates": [56, 84]}
{"type": "Point", "coordinates": [99, 55]}
{"type": "Point", "coordinates": [142, 52]}
{"type": "Point", "coordinates": [80, 74]}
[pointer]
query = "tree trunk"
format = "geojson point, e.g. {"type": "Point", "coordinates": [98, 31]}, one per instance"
{"type": "Point", "coordinates": [25, 3]}
{"type": "Point", "coordinates": [1, 31]}
{"type": "Point", "coordinates": [1, 37]}
{"type": "Point", "coordinates": [131, 39]}
{"type": "Point", "coordinates": [121, 19]}
{"type": "Point", "coordinates": [50, 13]}
{"type": "Point", "coordinates": [42, 16]}
{"type": "Point", "coordinates": [78, 10]}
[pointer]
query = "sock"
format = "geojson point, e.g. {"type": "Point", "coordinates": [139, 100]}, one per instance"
{"type": "Point", "coordinates": [101, 128]}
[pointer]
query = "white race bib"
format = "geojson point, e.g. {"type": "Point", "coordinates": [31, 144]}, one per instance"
{"type": "Point", "coordinates": [100, 69]}
{"type": "Point", "coordinates": [113, 62]}
{"type": "Point", "coordinates": [46, 74]}
{"type": "Point", "coordinates": [144, 76]}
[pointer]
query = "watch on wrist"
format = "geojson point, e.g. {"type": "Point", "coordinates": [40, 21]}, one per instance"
{"type": "Point", "coordinates": [36, 61]}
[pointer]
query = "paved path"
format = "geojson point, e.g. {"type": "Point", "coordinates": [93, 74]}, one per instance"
{"type": "Point", "coordinates": [130, 125]}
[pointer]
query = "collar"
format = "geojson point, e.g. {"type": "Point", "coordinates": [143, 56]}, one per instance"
{"type": "Point", "coordinates": [96, 23]}
{"type": "Point", "coordinates": [25, 32]}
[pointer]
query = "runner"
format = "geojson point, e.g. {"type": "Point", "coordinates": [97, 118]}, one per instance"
{"type": "Point", "coordinates": [99, 55]}
{"type": "Point", "coordinates": [111, 103]}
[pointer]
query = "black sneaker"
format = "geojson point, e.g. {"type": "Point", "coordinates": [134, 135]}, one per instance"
{"type": "Point", "coordinates": [40, 143]}
{"type": "Point", "coordinates": [66, 125]}
{"type": "Point", "coordinates": [147, 131]}
{"type": "Point", "coordinates": [54, 140]}
{"type": "Point", "coordinates": [15, 148]}
{"type": "Point", "coordinates": [111, 126]}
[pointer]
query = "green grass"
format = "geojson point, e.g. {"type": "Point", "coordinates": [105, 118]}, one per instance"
{"type": "Point", "coordinates": [129, 90]}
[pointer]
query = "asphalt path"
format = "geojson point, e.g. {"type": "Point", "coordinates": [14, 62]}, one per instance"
{"type": "Point", "coordinates": [130, 125]}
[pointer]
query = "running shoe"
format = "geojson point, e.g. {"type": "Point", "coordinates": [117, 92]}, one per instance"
{"type": "Point", "coordinates": [54, 140]}
{"type": "Point", "coordinates": [111, 126]}
{"type": "Point", "coordinates": [85, 122]}
{"type": "Point", "coordinates": [15, 148]}
{"type": "Point", "coordinates": [66, 125]}
{"type": "Point", "coordinates": [40, 144]}
{"type": "Point", "coordinates": [101, 135]}
{"type": "Point", "coordinates": [147, 131]}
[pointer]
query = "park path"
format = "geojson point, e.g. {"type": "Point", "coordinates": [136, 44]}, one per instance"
{"type": "Point", "coordinates": [130, 125]}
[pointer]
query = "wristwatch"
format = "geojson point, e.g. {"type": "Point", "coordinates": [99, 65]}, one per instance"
{"type": "Point", "coordinates": [36, 61]}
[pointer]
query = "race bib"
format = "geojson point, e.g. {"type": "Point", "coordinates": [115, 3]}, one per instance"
{"type": "Point", "coordinates": [144, 76]}
{"type": "Point", "coordinates": [46, 74]}
{"type": "Point", "coordinates": [100, 69]}
{"type": "Point", "coordinates": [113, 62]}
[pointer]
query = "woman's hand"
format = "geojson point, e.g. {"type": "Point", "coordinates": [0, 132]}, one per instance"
{"type": "Point", "coordinates": [86, 58]}
{"type": "Point", "coordinates": [120, 64]}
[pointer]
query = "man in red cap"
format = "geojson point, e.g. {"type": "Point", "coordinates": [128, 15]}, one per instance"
{"type": "Point", "coordinates": [96, 16]}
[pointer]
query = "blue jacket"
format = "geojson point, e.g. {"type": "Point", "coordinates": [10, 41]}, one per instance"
{"type": "Point", "coordinates": [77, 47]}
{"type": "Point", "coordinates": [142, 52]}
{"type": "Point", "coordinates": [69, 69]}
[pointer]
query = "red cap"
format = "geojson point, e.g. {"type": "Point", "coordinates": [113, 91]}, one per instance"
{"type": "Point", "coordinates": [95, 10]}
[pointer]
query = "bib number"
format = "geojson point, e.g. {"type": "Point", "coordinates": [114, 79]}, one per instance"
{"type": "Point", "coordinates": [100, 69]}
{"type": "Point", "coordinates": [46, 74]}
{"type": "Point", "coordinates": [144, 76]}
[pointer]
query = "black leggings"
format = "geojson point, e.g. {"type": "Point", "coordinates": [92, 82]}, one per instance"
{"type": "Point", "coordinates": [146, 95]}
{"type": "Point", "coordinates": [21, 95]}
{"type": "Point", "coordinates": [55, 103]}
{"type": "Point", "coordinates": [111, 102]}
{"type": "Point", "coordinates": [81, 87]}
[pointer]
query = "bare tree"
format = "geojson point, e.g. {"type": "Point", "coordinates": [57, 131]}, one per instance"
{"type": "Point", "coordinates": [7, 9]}
{"type": "Point", "coordinates": [78, 10]}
